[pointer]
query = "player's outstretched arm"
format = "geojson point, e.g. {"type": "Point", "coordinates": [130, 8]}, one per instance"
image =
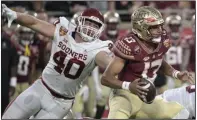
{"type": "Point", "coordinates": [170, 71]}
{"type": "Point", "coordinates": [29, 21]}
{"type": "Point", "coordinates": [113, 69]}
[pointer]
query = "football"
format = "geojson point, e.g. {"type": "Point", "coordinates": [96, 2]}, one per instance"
{"type": "Point", "coordinates": [151, 93]}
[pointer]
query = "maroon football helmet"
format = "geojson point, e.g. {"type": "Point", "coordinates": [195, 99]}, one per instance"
{"type": "Point", "coordinates": [90, 24]}
{"type": "Point", "coordinates": [174, 23]}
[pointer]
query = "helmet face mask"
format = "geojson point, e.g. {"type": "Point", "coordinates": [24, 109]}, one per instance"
{"type": "Point", "coordinates": [90, 24]}
{"type": "Point", "coordinates": [143, 19]}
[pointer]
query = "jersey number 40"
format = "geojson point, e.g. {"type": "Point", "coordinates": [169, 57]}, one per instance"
{"type": "Point", "coordinates": [73, 68]}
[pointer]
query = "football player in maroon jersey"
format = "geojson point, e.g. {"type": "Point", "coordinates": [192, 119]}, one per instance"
{"type": "Point", "coordinates": [179, 53]}
{"type": "Point", "coordinates": [140, 55]}
{"type": "Point", "coordinates": [27, 52]}
{"type": "Point", "coordinates": [174, 56]}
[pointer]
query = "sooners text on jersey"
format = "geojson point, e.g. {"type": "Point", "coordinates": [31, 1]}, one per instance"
{"type": "Point", "coordinates": [70, 62]}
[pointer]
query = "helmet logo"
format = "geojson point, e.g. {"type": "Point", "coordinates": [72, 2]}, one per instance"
{"type": "Point", "coordinates": [94, 18]}
{"type": "Point", "coordinates": [167, 43]}
{"type": "Point", "coordinates": [150, 19]}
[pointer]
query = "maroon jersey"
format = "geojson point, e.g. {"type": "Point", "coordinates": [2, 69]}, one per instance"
{"type": "Point", "coordinates": [140, 62]}
{"type": "Point", "coordinates": [24, 66]}
{"type": "Point", "coordinates": [174, 56]}
{"type": "Point", "coordinates": [188, 42]}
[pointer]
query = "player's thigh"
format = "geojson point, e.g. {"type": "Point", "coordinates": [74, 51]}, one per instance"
{"type": "Point", "coordinates": [43, 114]}
{"type": "Point", "coordinates": [55, 108]}
{"type": "Point", "coordinates": [25, 105]}
{"type": "Point", "coordinates": [20, 87]}
{"type": "Point", "coordinates": [161, 109]}
{"type": "Point", "coordinates": [78, 105]}
{"type": "Point", "coordinates": [123, 104]}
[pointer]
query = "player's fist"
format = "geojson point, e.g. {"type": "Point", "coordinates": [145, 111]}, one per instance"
{"type": "Point", "coordinates": [9, 14]}
{"type": "Point", "coordinates": [136, 88]}
{"type": "Point", "coordinates": [185, 76]}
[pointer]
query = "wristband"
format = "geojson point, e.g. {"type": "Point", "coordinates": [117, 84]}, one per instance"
{"type": "Point", "coordinates": [125, 85]}
{"type": "Point", "coordinates": [13, 81]}
{"type": "Point", "coordinates": [175, 74]}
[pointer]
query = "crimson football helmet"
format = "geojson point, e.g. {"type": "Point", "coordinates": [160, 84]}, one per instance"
{"type": "Point", "coordinates": [90, 24]}
{"type": "Point", "coordinates": [174, 24]}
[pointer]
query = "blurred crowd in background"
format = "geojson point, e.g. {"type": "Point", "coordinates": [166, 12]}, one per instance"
{"type": "Point", "coordinates": [23, 51]}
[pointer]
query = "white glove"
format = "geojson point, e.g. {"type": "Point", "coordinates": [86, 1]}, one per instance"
{"type": "Point", "coordinates": [9, 14]}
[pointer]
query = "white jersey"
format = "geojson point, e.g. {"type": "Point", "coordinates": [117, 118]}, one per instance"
{"type": "Point", "coordinates": [184, 96]}
{"type": "Point", "coordinates": [70, 62]}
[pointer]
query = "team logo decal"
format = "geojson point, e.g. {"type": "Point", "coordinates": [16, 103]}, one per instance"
{"type": "Point", "coordinates": [63, 31]}
{"type": "Point", "coordinates": [160, 54]}
{"type": "Point", "coordinates": [167, 43]}
{"type": "Point", "coordinates": [150, 19]}
{"type": "Point", "coordinates": [137, 50]}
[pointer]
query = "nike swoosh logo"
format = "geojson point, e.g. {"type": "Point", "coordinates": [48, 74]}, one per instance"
{"type": "Point", "coordinates": [160, 54]}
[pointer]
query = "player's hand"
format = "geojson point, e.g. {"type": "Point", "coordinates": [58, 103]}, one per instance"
{"type": "Point", "coordinates": [185, 76]}
{"type": "Point", "coordinates": [136, 88]}
{"type": "Point", "coordinates": [9, 14]}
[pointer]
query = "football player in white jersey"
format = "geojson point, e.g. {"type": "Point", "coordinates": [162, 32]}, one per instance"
{"type": "Point", "coordinates": [184, 95]}
{"type": "Point", "coordinates": [76, 50]}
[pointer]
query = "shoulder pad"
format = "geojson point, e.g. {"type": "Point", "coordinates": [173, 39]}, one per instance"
{"type": "Point", "coordinates": [103, 44]}
{"type": "Point", "coordinates": [62, 21]}
{"type": "Point", "coordinates": [123, 47]}
{"type": "Point", "coordinates": [99, 45]}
